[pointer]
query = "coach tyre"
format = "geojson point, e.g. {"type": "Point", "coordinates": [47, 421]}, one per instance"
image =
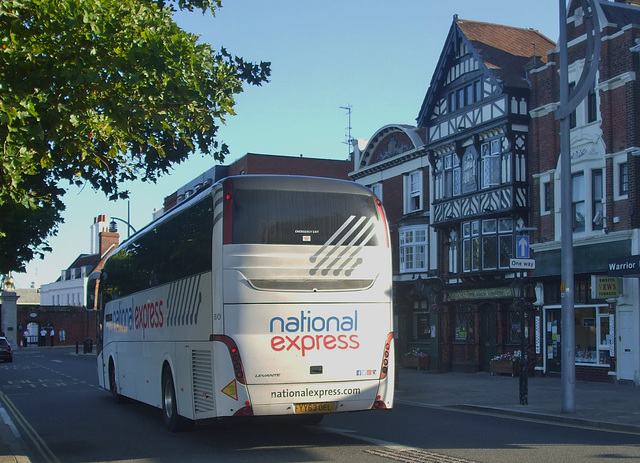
{"type": "Point", "coordinates": [169, 408]}
{"type": "Point", "coordinates": [113, 386]}
{"type": "Point", "coordinates": [172, 420]}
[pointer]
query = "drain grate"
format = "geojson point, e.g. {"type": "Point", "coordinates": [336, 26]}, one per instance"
{"type": "Point", "coordinates": [415, 456]}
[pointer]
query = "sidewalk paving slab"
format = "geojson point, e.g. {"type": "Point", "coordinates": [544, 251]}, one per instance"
{"type": "Point", "coordinates": [611, 406]}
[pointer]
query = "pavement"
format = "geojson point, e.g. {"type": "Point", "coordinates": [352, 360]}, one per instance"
{"type": "Point", "coordinates": [605, 406]}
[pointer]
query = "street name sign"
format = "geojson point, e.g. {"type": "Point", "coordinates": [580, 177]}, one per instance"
{"type": "Point", "coordinates": [522, 264]}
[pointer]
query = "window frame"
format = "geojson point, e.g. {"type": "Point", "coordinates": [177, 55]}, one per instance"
{"type": "Point", "coordinates": [546, 198]}
{"type": "Point", "coordinates": [414, 247]}
{"type": "Point", "coordinates": [413, 192]}
{"type": "Point", "coordinates": [578, 201]}
{"type": "Point", "coordinates": [597, 203]}
{"type": "Point", "coordinates": [623, 179]}
{"type": "Point", "coordinates": [476, 235]}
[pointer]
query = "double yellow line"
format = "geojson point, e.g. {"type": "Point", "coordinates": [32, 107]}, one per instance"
{"type": "Point", "coordinates": [33, 437]}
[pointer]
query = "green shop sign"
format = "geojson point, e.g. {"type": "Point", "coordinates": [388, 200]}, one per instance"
{"type": "Point", "coordinates": [482, 293]}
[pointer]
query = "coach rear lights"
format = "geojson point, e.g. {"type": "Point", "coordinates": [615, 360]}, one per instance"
{"type": "Point", "coordinates": [234, 354]}
{"type": "Point", "coordinates": [384, 369]}
{"type": "Point", "coordinates": [378, 404]}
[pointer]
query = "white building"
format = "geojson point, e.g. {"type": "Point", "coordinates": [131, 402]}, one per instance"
{"type": "Point", "coordinates": [70, 289]}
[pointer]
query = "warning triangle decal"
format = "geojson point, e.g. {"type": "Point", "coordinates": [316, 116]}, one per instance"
{"type": "Point", "coordinates": [231, 390]}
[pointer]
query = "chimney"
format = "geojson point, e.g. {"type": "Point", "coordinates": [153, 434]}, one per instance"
{"type": "Point", "coordinates": [108, 241]}
{"type": "Point", "coordinates": [99, 225]}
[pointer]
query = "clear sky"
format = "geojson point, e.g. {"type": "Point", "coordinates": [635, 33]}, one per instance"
{"type": "Point", "coordinates": [376, 56]}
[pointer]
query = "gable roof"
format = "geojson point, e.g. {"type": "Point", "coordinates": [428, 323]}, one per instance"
{"type": "Point", "coordinates": [620, 14]}
{"type": "Point", "coordinates": [504, 51]}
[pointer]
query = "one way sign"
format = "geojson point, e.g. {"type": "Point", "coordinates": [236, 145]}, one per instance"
{"type": "Point", "coordinates": [522, 247]}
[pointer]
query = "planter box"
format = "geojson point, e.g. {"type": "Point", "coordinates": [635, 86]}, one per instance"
{"type": "Point", "coordinates": [421, 363]}
{"type": "Point", "coordinates": [505, 367]}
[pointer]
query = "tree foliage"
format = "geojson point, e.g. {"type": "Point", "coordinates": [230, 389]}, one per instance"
{"type": "Point", "coordinates": [100, 92]}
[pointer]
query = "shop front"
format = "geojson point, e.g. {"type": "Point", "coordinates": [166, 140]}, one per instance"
{"type": "Point", "coordinates": [594, 335]}
{"type": "Point", "coordinates": [480, 324]}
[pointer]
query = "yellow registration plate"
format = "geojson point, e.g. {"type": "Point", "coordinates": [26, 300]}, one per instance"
{"type": "Point", "coordinates": [319, 407]}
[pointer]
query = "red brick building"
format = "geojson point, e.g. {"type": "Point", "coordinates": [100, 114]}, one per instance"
{"type": "Point", "coordinates": [605, 141]}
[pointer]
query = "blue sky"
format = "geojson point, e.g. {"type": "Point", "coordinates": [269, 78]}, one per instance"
{"type": "Point", "coordinates": [377, 56]}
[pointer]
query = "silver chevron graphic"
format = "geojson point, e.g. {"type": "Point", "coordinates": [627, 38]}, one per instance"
{"type": "Point", "coordinates": [350, 235]}
{"type": "Point", "coordinates": [184, 302]}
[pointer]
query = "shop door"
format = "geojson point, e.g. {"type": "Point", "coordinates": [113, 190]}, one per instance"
{"type": "Point", "coordinates": [552, 349]}
{"type": "Point", "coordinates": [627, 339]}
{"type": "Point", "coordinates": [489, 342]}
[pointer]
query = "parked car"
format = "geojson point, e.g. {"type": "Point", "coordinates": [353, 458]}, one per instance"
{"type": "Point", "coordinates": [6, 353]}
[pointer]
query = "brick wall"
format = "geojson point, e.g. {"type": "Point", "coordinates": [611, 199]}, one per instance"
{"type": "Point", "coordinates": [78, 323]}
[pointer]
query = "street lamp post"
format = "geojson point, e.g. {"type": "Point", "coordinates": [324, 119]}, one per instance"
{"type": "Point", "coordinates": [114, 227]}
{"type": "Point", "coordinates": [517, 289]}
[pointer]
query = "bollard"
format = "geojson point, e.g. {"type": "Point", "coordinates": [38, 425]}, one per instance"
{"type": "Point", "coordinates": [77, 348]}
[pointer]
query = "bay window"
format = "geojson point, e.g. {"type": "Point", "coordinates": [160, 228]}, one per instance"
{"type": "Point", "coordinates": [413, 249]}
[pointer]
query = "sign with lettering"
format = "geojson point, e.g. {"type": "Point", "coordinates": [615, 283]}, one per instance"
{"type": "Point", "coordinates": [480, 293]}
{"type": "Point", "coordinates": [604, 287]}
{"type": "Point", "coordinates": [522, 264]}
{"type": "Point", "coordinates": [628, 266]}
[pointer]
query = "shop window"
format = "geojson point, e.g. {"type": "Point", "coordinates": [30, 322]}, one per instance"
{"type": "Point", "coordinates": [593, 337]}
{"type": "Point", "coordinates": [582, 291]}
{"type": "Point", "coordinates": [463, 327]}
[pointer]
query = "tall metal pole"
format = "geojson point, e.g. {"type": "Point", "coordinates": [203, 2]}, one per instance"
{"type": "Point", "coordinates": [568, 104]}
{"type": "Point", "coordinates": [524, 352]}
{"type": "Point", "coordinates": [568, 332]}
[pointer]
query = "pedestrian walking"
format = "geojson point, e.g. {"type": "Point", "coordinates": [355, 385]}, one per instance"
{"type": "Point", "coordinates": [25, 338]}
{"type": "Point", "coordinates": [43, 338]}
{"type": "Point", "coordinates": [52, 335]}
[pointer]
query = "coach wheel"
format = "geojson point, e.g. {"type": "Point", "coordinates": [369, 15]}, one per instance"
{"type": "Point", "coordinates": [113, 386]}
{"type": "Point", "coordinates": [172, 420]}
